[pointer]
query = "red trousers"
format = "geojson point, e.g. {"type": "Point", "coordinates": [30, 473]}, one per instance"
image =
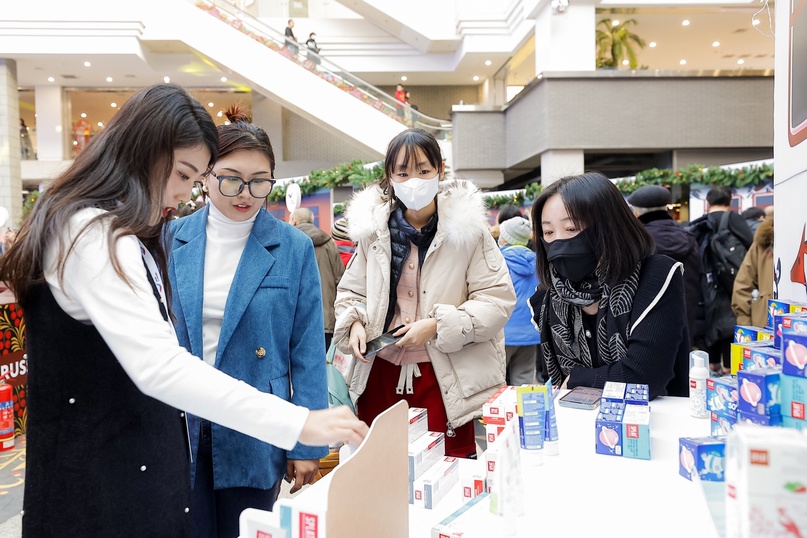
{"type": "Point", "coordinates": [380, 395]}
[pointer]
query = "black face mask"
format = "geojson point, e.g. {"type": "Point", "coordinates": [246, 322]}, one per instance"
{"type": "Point", "coordinates": [572, 258]}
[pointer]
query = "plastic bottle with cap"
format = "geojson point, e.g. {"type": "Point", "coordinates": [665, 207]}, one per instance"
{"type": "Point", "coordinates": [698, 374]}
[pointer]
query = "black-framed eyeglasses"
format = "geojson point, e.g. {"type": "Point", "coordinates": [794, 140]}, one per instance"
{"type": "Point", "coordinates": [232, 186]}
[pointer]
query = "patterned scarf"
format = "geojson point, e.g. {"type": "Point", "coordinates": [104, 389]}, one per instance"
{"type": "Point", "coordinates": [563, 340]}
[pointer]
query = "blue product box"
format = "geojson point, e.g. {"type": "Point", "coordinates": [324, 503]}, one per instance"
{"type": "Point", "coordinates": [759, 391]}
{"type": "Point", "coordinates": [721, 425]}
{"type": "Point", "coordinates": [637, 394]}
{"type": "Point", "coordinates": [794, 396]}
{"type": "Point", "coordinates": [782, 320]}
{"type": "Point", "coordinates": [794, 346]}
{"type": "Point", "coordinates": [744, 334]}
{"type": "Point", "coordinates": [636, 432]}
{"type": "Point", "coordinates": [761, 357]}
{"type": "Point", "coordinates": [776, 307]}
{"type": "Point", "coordinates": [794, 423]}
{"type": "Point", "coordinates": [613, 392]}
{"type": "Point", "coordinates": [722, 397]}
{"type": "Point", "coordinates": [702, 455]}
{"type": "Point", "coordinates": [767, 420]}
{"type": "Point", "coordinates": [608, 428]}
{"type": "Point", "coordinates": [531, 415]}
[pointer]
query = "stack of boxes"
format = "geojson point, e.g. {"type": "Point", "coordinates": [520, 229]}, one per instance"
{"type": "Point", "coordinates": [623, 421]}
{"type": "Point", "coordinates": [793, 382]}
{"type": "Point", "coordinates": [722, 402]}
{"type": "Point", "coordinates": [431, 473]}
{"type": "Point", "coordinates": [496, 413]}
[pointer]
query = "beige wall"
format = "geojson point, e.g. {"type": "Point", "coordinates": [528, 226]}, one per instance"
{"type": "Point", "coordinates": [436, 101]}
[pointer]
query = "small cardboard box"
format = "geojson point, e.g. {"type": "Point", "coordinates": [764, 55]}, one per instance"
{"type": "Point", "coordinates": [794, 396]}
{"type": "Point", "coordinates": [704, 456]}
{"type": "Point", "coordinates": [761, 357]}
{"type": "Point", "coordinates": [418, 422]}
{"type": "Point", "coordinates": [772, 420]}
{"type": "Point", "coordinates": [424, 452]}
{"type": "Point", "coordinates": [744, 334]}
{"type": "Point", "coordinates": [794, 346]}
{"type": "Point", "coordinates": [722, 397]}
{"type": "Point", "coordinates": [636, 432]}
{"type": "Point", "coordinates": [759, 391]}
{"type": "Point", "coordinates": [608, 428]}
{"type": "Point", "coordinates": [432, 486]}
{"type": "Point", "coordinates": [721, 426]}
{"type": "Point", "coordinates": [613, 392]}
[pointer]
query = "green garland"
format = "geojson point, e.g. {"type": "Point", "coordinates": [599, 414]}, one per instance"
{"type": "Point", "coordinates": [713, 176]}
{"type": "Point", "coordinates": [353, 173]}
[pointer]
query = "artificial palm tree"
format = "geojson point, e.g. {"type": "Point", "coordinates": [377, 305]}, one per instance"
{"type": "Point", "coordinates": [615, 42]}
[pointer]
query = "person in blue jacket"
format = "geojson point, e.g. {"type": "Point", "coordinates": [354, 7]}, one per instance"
{"type": "Point", "coordinates": [521, 336]}
{"type": "Point", "coordinates": [248, 301]}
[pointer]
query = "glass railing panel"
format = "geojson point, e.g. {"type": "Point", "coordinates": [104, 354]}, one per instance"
{"type": "Point", "coordinates": [324, 68]}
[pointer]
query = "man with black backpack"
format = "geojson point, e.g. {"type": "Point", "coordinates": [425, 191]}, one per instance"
{"type": "Point", "coordinates": [723, 238]}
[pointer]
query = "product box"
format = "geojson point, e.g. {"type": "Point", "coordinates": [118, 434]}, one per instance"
{"type": "Point", "coordinates": [608, 428]}
{"type": "Point", "coordinates": [500, 407]}
{"type": "Point", "coordinates": [761, 357]}
{"type": "Point", "coordinates": [424, 452]}
{"type": "Point", "coordinates": [531, 405]}
{"type": "Point", "coordinates": [636, 432]}
{"type": "Point", "coordinates": [766, 483]}
{"type": "Point", "coordinates": [722, 397]}
{"type": "Point", "coordinates": [255, 523]}
{"type": "Point", "coordinates": [637, 394]}
{"type": "Point", "coordinates": [794, 346]}
{"type": "Point", "coordinates": [783, 321]}
{"type": "Point", "coordinates": [720, 426]}
{"type": "Point", "coordinates": [740, 351]}
{"type": "Point", "coordinates": [428, 490]}
{"type": "Point", "coordinates": [744, 334]}
{"type": "Point", "coordinates": [703, 456]}
{"type": "Point", "coordinates": [760, 420]}
{"type": "Point", "coordinates": [794, 423]}
{"type": "Point", "coordinates": [613, 392]}
{"type": "Point", "coordinates": [759, 391]}
{"type": "Point", "coordinates": [464, 519]}
{"type": "Point", "coordinates": [776, 307]}
{"type": "Point", "coordinates": [418, 422]}
{"type": "Point", "coordinates": [794, 396]}
{"type": "Point", "coordinates": [492, 431]}
{"type": "Point", "coordinates": [472, 486]}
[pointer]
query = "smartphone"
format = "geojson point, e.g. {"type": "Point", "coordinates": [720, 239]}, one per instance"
{"type": "Point", "coordinates": [384, 341]}
{"type": "Point", "coordinates": [581, 398]}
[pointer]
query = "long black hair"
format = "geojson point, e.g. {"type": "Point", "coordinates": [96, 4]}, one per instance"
{"type": "Point", "coordinates": [618, 239]}
{"type": "Point", "coordinates": [124, 170]}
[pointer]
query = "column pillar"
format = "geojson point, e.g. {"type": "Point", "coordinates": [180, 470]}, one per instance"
{"type": "Point", "coordinates": [10, 175]}
{"type": "Point", "coordinates": [565, 41]}
{"type": "Point", "coordinates": [558, 163]}
{"type": "Point", "coordinates": [268, 115]}
{"type": "Point", "coordinates": [52, 123]}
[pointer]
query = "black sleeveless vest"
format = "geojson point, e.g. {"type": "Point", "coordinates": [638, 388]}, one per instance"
{"type": "Point", "coordinates": [103, 459]}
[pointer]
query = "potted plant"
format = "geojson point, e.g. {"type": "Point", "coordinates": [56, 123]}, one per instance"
{"type": "Point", "coordinates": [616, 42]}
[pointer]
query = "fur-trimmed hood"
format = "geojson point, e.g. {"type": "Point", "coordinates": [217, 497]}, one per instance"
{"type": "Point", "coordinates": [460, 208]}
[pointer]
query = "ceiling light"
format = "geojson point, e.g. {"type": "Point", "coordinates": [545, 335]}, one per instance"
{"type": "Point", "coordinates": [652, 44]}
{"type": "Point", "coordinates": [716, 44]}
{"type": "Point", "coordinates": [476, 78]}
{"type": "Point", "coordinates": [224, 79]}
{"type": "Point", "coordinates": [625, 62]}
{"type": "Point", "coordinates": [740, 61]}
{"type": "Point", "coordinates": [685, 22]}
{"type": "Point", "coordinates": [614, 22]}
{"type": "Point", "coordinates": [683, 62]}
{"type": "Point", "coordinates": [51, 79]}
{"type": "Point", "coordinates": [113, 105]}
{"type": "Point", "coordinates": [488, 62]}
{"type": "Point", "coordinates": [166, 79]}
{"type": "Point", "coordinates": [83, 114]}
{"type": "Point", "coordinates": [220, 114]}
{"type": "Point", "coordinates": [755, 22]}
{"type": "Point", "coordinates": [403, 78]}
{"type": "Point", "coordinates": [87, 64]}
{"type": "Point", "coordinates": [210, 104]}
{"type": "Point", "coordinates": [109, 79]}
{"type": "Point", "coordinates": [100, 124]}
{"type": "Point", "coordinates": [226, 123]}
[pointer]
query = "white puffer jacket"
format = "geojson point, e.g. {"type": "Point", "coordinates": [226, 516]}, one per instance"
{"type": "Point", "coordinates": [464, 285]}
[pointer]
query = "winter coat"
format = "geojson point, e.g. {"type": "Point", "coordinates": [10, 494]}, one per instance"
{"type": "Point", "coordinates": [679, 244]}
{"type": "Point", "coordinates": [520, 330]}
{"type": "Point", "coordinates": [330, 266]}
{"type": "Point", "coordinates": [464, 285]}
{"type": "Point", "coordinates": [756, 273]}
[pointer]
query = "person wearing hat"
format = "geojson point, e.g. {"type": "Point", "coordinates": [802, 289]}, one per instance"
{"type": "Point", "coordinates": [521, 337]}
{"type": "Point", "coordinates": [342, 240]}
{"type": "Point", "coordinates": [649, 204]}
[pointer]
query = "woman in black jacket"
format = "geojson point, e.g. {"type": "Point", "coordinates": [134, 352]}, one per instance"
{"type": "Point", "coordinates": [608, 308]}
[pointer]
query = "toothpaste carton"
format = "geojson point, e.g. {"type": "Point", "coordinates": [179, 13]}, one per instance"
{"type": "Point", "coordinates": [744, 334]}
{"type": "Point", "coordinates": [492, 431]}
{"type": "Point", "coordinates": [636, 432]}
{"type": "Point", "coordinates": [306, 514]}
{"type": "Point", "coordinates": [472, 486]}
{"type": "Point", "coordinates": [613, 392]}
{"type": "Point", "coordinates": [500, 407]}
{"type": "Point", "coordinates": [428, 490]}
{"type": "Point", "coordinates": [418, 422]}
{"type": "Point", "coordinates": [794, 346]}
{"type": "Point", "coordinates": [760, 420]}
{"type": "Point", "coordinates": [703, 456]}
{"type": "Point", "coordinates": [608, 428]}
{"type": "Point", "coordinates": [761, 357]}
{"type": "Point", "coordinates": [766, 483]}
{"type": "Point", "coordinates": [637, 394]}
{"type": "Point", "coordinates": [784, 320]}
{"type": "Point", "coordinates": [464, 520]}
{"type": "Point", "coordinates": [722, 397]}
{"type": "Point", "coordinates": [794, 396]}
{"type": "Point", "coordinates": [759, 391]}
{"type": "Point", "coordinates": [531, 405]}
{"type": "Point", "coordinates": [424, 452]}
{"type": "Point", "coordinates": [721, 426]}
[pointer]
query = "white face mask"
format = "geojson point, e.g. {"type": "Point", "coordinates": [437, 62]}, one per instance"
{"type": "Point", "coordinates": [416, 193]}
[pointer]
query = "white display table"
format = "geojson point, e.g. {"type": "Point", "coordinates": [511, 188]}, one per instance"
{"type": "Point", "coordinates": [582, 493]}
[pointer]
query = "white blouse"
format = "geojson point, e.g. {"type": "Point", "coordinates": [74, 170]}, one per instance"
{"type": "Point", "coordinates": [129, 320]}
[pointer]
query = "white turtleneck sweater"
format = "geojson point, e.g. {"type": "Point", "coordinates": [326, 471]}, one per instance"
{"type": "Point", "coordinates": [225, 243]}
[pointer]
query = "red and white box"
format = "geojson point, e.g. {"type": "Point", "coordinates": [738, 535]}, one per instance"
{"type": "Point", "coordinates": [434, 484]}
{"type": "Point", "coordinates": [500, 407]}
{"type": "Point", "coordinates": [473, 486]}
{"type": "Point", "coordinates": [418, 422]}
{"type": "Point", "coordinates": [424, 452]}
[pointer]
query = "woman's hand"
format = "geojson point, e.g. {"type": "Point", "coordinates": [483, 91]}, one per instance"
{"type": "Point", "coordinates": [418, 333]}
{"type": "Point", "coordinates": [331, 426]}
{"type": "Point", "coordinates": [358, 340]}
{"type": "Point", "coordinates": [302, 472]}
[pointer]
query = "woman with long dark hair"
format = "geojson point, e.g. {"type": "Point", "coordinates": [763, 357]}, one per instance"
{"type": "Point", "coordinates": [107, 449]}
{"type": "Point", "coordinates": [608, 309]}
